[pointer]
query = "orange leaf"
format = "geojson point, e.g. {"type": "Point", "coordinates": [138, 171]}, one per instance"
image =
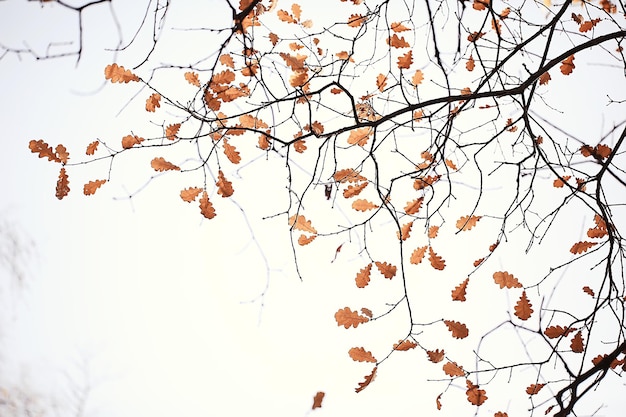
{"type": "Point", "coordinates": [224, 187]}
{"type": "Point", "coordinates": [206, 208]}
{"type": "Point", "coordinates": [354, 190]}
{"type": "Point", "coordinates": [388, 270]}
{"type": "Point", "coordinates": [480, 4]}
{"type": "Point", "coordinates": [438, 401]}
{"type": "Point", "coordinates": [92, 147]}
{"type": "Point", "coordinates": [304, 240]}
{"type": "Point", "coordinates": [560, 182]}
{"type": "Point", "coordinates": [226, 60]}
{"type": "Point", "coordinates": [171, 131]}
{"type": "Point", "coordinates": [160, 164]}
{"type": "Point", "coordinates": [359, 136]}
{"type": "Point", "coordinates": [452, 369]}
{"type": "Point", "coordinates": [602, 151]}
{"type": "Point", "coordinates": [367, 312]}
{"type": "Point", "coordinates": [405, 231]}
{"type": "Point", "coordinates": [363, 276]}
{"type": "Point", "coordinates": [317, 400]}
{"type": "Point", "coordinates": [436, 261]}
{"type": "Point", "coordinates": [523, 308]}
{"type": "Point", "coordinates": [534, 388]}
{"type": "Point", "coordinates": [153, 102]}
{"type": "Point", "coordinates": [418, 255]}
{"type": "Point", "coordinates": [398, 27]}
{"type": "Point", "coordinates": [588, 25]}
{"type": "Point", "coordinates": [435, 356]}
{"type": "Point", "coordinates": [190, 194]}
{"type": "Point", "coordinates": [506, 280]}
{"type": "Point", "coordinates": [356, 20]}
{"type": "Point", "coordinates": [63, 183]}
{"type": "Point", "coordinates": [192, 78]}
{"type": "Point", "coordinates": [577, 343]}
{"type": "Point", "coordinates": [368, 380]}
{"type": "Point", "coordinates": [363, 205]}
{"type": "Point", "coordinates": [348, 175]}
{"type": "Point", "coordinates": [343, 55]}
{"type": "Point", "coordinates": [432, 231]}
{"type": "Point", "coordinates": [231, 152]}
{"type": "Point", "coordinates": [396, 42]}
{"type": "Point", "coordinates": [346, 318]}
{"type": "Point", "coordinates": [91, 187]}
{"type": "Point", "coordinates": [469, 65]}
{"type": "Point", "coordinates": [299, 78]}
{"type": "Point", "coordinates": [567, 65]}
{"type": "Point", "coordinates": [405, 61]}
{"type": "Point", "coordinates": [381, 82]}
{"type": "Point", "coordinates": [412, 207]}
{"type": "Point", "coordinates": [458, 294]}
{"type": "Point", "coordinates": [544, 78]}
{"type": "Point", "coordinates": [423, 182]}
{"type": "Point", "coordinates": [474, 36]}
{"type": "Point", "coordinates": [451, 165]}
{"type": "Point", "coordinates": [557, 331]}
{"type": "Point", "coordinates": [62, 154]}
{"type": "Point", "coordinates": [474, 395]}
{"type": "Point", "coordinates": [301, 223]}
{"type": "Point", "coordinates": [589, 291]}
{"type": "Point", "coordinates": [404, 345]}
{"type": "Point", "coordinates": [581, 247]}
{"type": "Point", "coordinates": [418, 77]}
{"type": "Point", "coordinates": [273, 38]}
{"type": "Point", "coordinates": [467, 222]}
{"type": "Point", "coordinates": [43, 149]}
{"type": "Point", "coordinates": [117, 74]}
{"type": "Point", "coordinates": [359, 354]}
{"type": "Point", "coordinates": [131, 140]}
{"type": "Point", "coordinates": [458, 330]}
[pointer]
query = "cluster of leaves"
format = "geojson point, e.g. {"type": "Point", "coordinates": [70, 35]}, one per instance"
{"type": "Point", "coordinates": [403, 138]}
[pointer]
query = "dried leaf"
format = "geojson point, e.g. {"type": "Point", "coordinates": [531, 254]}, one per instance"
{"type": "Point", "coordinates": [131, 140]}
{"type": "Point", "coordinates": [467, 222]}
{"type": "Point", "coordinates": [589, 291]}
{"type": "Point", "coordinates": [359, 136]}
{"type": "Point", "coordinates": [452, 369]}
{"type": "Point", "coordinates": [305, 240]}
{"type": "Point", "coordinates": [359, 354]}
{"type": "Point", "coordinates": [118, 74]}
{"type": "Point", "coordinates": [348, 175]}
{"type": "Point", "coordinates": [458, 330]}
{"type": "Point", "coordinates": [436, 261]}
{"type": "Point", "coordinates": [458, 294]}
{"type": "Point", "coordinates": [504, 279]}
{"type": "Point", "coordinates": [544, 78]}
{"type": "Point", "coordinates": [388, 270]}
{"type": "Point", "coordinates": [436, 355]}
{"type": "Point", "coordinates": [206, 208]}
{"type": "Point", "coordinates": [560, 182]}
{"type": "Point", "coordinates": [412, 207]}
{"type": "Point", "coordinates": [418, 255]}
{"type": "Point", "coordinates": [171, 131]}
{"type": "Point", "coordinates": [363, 276]}
{"type": "Point", "coordinates": [43, 149]}
{"type": "Point", "coordinates": [398, 27]}
{"type": "Point", "coordinates": [346, 318]}
{"type": "Point", "coordinates": [153, 102]}
{"type": "Point", "coordinates": [405, 61]}
{"type": "Point", "coordinates": [577, 343]}
{"type": "Point", "coordinates": [91, 187]}
{"type": "Point", "coordinates": [356, 20]}
{"type": "Point", "coordinates": [557, 331]}
{"type": "Point", "coordinates": [469, 65]}
{"type": "Point", "coordinates": [567, 65]}
{"type": "Point", "coordinates": [405, 231]}
{"type": "Point", "coordinates": [63, 183]}
{"type": "Point", "coordinates": [438, 401]}
{"type": "Point", "coordinates": [381, 82]}
{"type": "Point", "coordinates": [363, 205]}
{"type": "Point", "coordinates": [396, 42]}
{"type": "Point", "coordinates": [474, 395]}
{"type": "Point", "coordinates": [192, 78]}
{"type": "Point", "coordinates": [404, 345]}
{"type": "Point", "coordinates": [62, 154]}
{"type": "Point", "coordinates": [190, 194]}
{"type": "Point", "coordinates": [92, 147]}
{"type": "Point", "coordinates": [367, 312]}
{"type": "Point", "coordinates": [523, 308]}
{"type": "Point", "coordinates": [354, 190]}
{"type": "Point", "coordinates": [159, 164]}
{"type": "Point", "coordinates": [534, 389]}
{"type": "Point", "coordinates": [368, 380]}
{"type": "Point", "coordinates": [432, 231]}
{"type": "Point", "coordinates": [581, 247]}
{"type": "Point", "coordinates": [224, 187]}
{"type": "Point", "coordinates": [300, 222]}
{"type": "Point", "coordinates": [231, 152]}
{"type": "Point", "coordinates": [418, 77]}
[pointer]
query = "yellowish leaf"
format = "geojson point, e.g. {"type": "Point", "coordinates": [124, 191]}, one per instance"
{"type": "Point", "coordinates": [91, 187]}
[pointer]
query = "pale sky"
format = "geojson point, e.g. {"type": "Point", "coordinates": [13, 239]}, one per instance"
{"type": "Point", "coordinates": [162, 313]}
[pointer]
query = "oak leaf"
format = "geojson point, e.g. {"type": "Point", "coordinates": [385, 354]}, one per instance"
{"type": "Point", "coordinates": [404, 345]}
{"type": "Point", "coordinates": [356, 20]}
{"type": "Point", "coordinates": [588, 25]}
{"type": "Point", "coordinates": [354, 190]}
{"type": "Point", "coordinates": [412, 207]}
{"type": "Point", "coordinates": [317, 400]}
{"type": "Point", "coordinates": [363, 276]}
{"type": "Point", "coordinates": [226, 60]}
{"type": "Point", "coordinates": [560, 182]}
{"type": "Point", "coordinates": [159, 164]}
{"type": "Point", "coordinates": [62, 154]}
{"type": "Point", "coordinates": [91, 187]}
{"type": "Point", "coordinates": [388, 270]}
{"type": "Point", "coordinates": [129, 141]}
{"type": "Point", "coordinates": [359, 354]}
{"type": "Point", "coordinates": [544, 78]}
{"type": "Point", "coordinates": [452, 369]}
{"type": "Point", "coordinates": [171, 131]}
{"type": "Point", "coordinates": [348, 175]}
{"type": "Point", "coordinates": [405, 61]}
{"type": "Point", "coordinates": [474, 395]}
{"type": "Point", "coordinates": [418, 255]}
{"type": "Point", "coordinates": [118, 74]}
{"type": "Point", "coordinates": [381, 82]}
{"type": "Point", "coordinates": [153, 102]}
{"type": "Point", "coordinates": [368, 380]}
{"type": "Point", "coordinates": [589, 291]}
{"type": "Point", "coordinates": [299, 78]}
{"type": "Point", "coordinates": [423, 182]}
{"type": "Point", "coordinates": [567, 65]}
{"type": "Point", "coordinates": [534, 389]}
{"type": "Point", "coordinates": [304, 240]}
{"type": "Point", "coordinates": [231, 152]}
{"type": "Point", "coordinates": [363, 205]}
{"type": "Point", "coordinates": [398, 27]}
{"type": "Point", "coordinates": [190, 194]}
{"type": "Point", "coordinates": [405, 231]}
{"type": "Point", "coordinates": [192, 78]}
{"type": "Point", "coordinates": [577, 343]}
{"type": "Point", "coordinates": [480, 4]}
{"type": "Point", "coordinates": [367, 312]}
{"type": "Point", "coordinates": [63, 183]}
{"type": "Point", "coordinates": [418, 77]}
{"type": "Point", "coordinates": [581, 247]}
{"type": "Point", "coordinates": [436, 355]}
{"type": "Point", "coordinates": [43, 149]}
{"type": "Point", "coordinates": [557, 331]}
{"type": "Point", "coordinates": [438, 401]}
{"type": "Point", "coordinates": [300, 222]}
{"type": "Point", "coordinates": [432, 231]}
{"type": "Point", "coordinates": [504, 279]}
{"type": "Point", "coordinates": [346, 318]}
{"type": "Point", "coordinates": [397, 42]}
{"type": "Point", "coordinates": [451, 165]}
{"type": "Point", "coordinates": [458, 330]}
{"type": "Point", "coordinates": [469, 65]}
{"type": "Point", "coordinates": [458, 294]}
{"type": "Point", "coordinates": [206, 208]}
{"type": "Point", "coordinates": [92, 147]}
{"type": "Point", "coordinates": [467, 222]}
{"type": "Point", "coordinates": [523, 308]}
{"type": "Point", "coordinates": [224, 187]}
{"type": "Point", "coordinates": [436, 261]}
